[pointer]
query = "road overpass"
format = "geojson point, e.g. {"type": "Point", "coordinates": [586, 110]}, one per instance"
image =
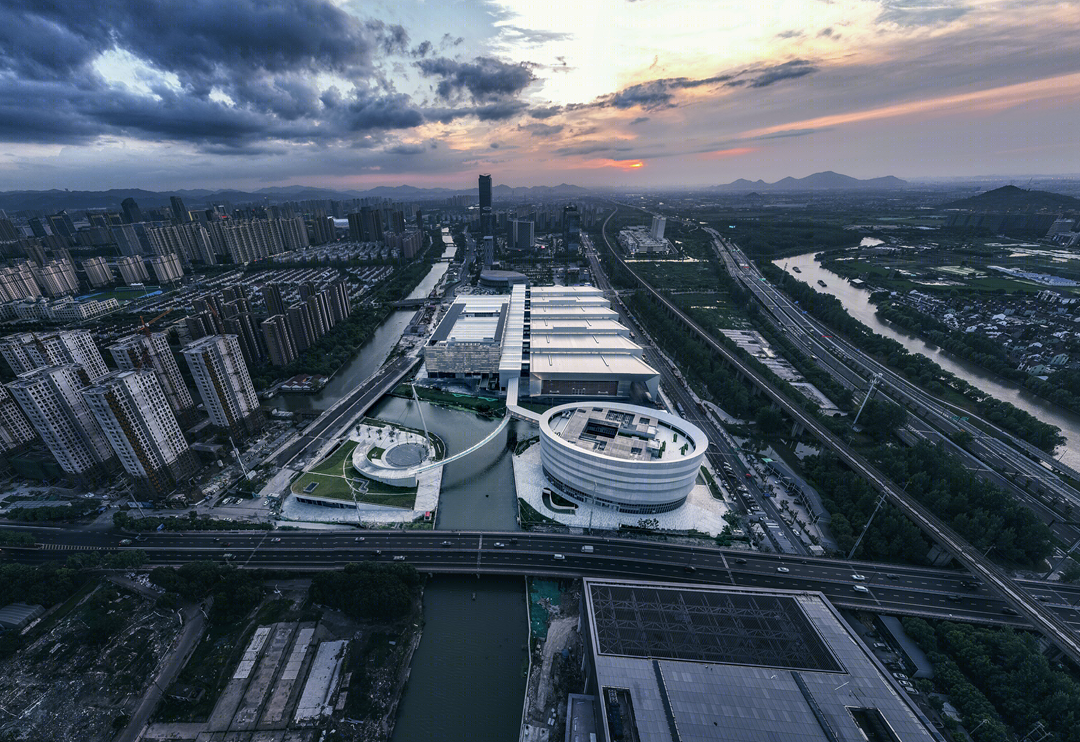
{"type": "Point", "coordinates": [893, 589]}
{"type": "Point", "coordinates": [330, 423]}
{"type": "Point", "coordinates": [1048, 623]}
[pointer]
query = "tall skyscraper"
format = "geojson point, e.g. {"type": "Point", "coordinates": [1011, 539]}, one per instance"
{"type": "Point", "coordinates": [571, 229]}
{"type": "Point", "coordinates": [224, 384]}
{"type": "Point", "coordinates": [132, 213]}
{"type": "Point", "coordinates": [132, 412]}
{"type": "Point", "coordinates": [140, 351]}
{"type": "Point", "coordinates": [179, 213]}
{"type": "Point", "coordinates": [485, 206]}
{"type": "Point", "coordinates": [322, 228]}
{"type": "Point", "coordinates": [62, 226]}
{"type": "Point", "coordinates": [15, 429]}
{"type": "Point", "coordinates": [52, 400]}
{"type": "Point", "coordinates": [278, 339]}
{"type": "Point", "coordinates": [28, 351]}
{"type": "Point", "coordinates": [658, 224]}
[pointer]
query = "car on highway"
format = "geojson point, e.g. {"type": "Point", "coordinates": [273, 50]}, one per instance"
{"type": "Point", "coordinates": [358, 538]}
{"type": "Point", "coordinates": [1009, 611]}
{"type": "Point", "coordinates": [891, 576]}
{"type": "Point", "coordinates": [499, 545]}
{"type": "Point", "coordinates": [953, 597]}
{"type": "Point", "coordinates": [785, 570]}
{"type": "Point", "coordinates": [446, 543]}
{"type": "Point", "coordinates": [858, 577]}
{"type": "Point", "coordinates": [399, 558]}
{"type": "Point", "coordinates": [861, 588]}
{"type": "Point", "coordinates": [740, 560]}
{"type": "Point", "coordinates": [125, 542]}
{"type": "Point", "coordinates": [560, 558]}
{"type": "Point", "coordinates": [276, 538]}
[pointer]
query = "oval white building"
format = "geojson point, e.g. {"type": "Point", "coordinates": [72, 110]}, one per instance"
{"type": "Point", "coordinates": [621, 456]}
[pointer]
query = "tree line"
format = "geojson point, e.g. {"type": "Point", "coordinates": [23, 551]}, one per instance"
{"type": "Point", "coordinates": [380, 590]}
{"type": "Point", "coordinates": [999, 681]}
{"type": "Point", "coordinates": [984, 515]}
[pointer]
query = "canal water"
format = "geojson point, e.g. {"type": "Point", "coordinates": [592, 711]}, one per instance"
{"type": "Point", "coordinates": [467, 680]}
{"type": "Point", "coordinates": [367, 361]}
{"type": "Point", "coordinates": [857, 303]}
{"type": "Point", "coordinates": [468, 674]}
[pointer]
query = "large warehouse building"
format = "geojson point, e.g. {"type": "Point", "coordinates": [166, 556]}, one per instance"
{"type": "Point", "coordinates": [679, 663]}
{"type": "Point", "coordinates": [562, 342]}
{"type": "Point", "coordinates": [620, 456]}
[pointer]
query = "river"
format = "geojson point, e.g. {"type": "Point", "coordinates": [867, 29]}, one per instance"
{"type": "Point", "coordinates": [857, 302]}
{"type": "Point", "coordinates": [368, 360]}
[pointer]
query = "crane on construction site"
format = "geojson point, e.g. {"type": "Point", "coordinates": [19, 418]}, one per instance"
{"type": "Point", "coordinates": [144, 328]}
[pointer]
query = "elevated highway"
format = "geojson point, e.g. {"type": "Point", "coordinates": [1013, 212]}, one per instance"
{"type": "Point", "coordinates": [1062, 634]}
{"type": "Point", "coordinates": [892, 589]}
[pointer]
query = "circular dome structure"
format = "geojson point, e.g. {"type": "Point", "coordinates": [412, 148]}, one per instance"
{"type": "Point", "coordinates": [628, 458]}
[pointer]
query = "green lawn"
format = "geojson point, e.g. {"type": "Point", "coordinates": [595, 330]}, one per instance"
{"type": "Point", "coordinates": [332, 463]}
{"type": "Point", "coordinates": [375, 453]}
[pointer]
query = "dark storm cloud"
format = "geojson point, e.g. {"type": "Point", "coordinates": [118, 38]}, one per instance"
{"type": "Point", "coordinates": [406, 149]}
{"type": "Point", "coordinates": [264, 57]}
{"type": "Point", "coordinates": [485, 79]}
{"type": "Point", "coordinates": [786, 71]}
{"type": "Point", "coordinates": [542, 130]}
{"type": "Point", "coordinates": [639, 120]}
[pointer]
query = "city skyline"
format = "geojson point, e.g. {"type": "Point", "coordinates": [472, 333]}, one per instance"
{"type": "Point", "coordinates": [354, 95]}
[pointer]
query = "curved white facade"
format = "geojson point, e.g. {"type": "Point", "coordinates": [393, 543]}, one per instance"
{"type": "Point", "coordinates": [637, 482]}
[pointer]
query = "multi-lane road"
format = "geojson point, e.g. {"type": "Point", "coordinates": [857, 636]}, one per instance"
{"type": "Point", "coordinates": [889, 588]}
{"type": "Point", "coordinates": [1046, 621]}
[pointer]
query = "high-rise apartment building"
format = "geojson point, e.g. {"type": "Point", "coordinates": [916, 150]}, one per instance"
{"type": "Point", "coordinates": [62, 226]}
{"type": "Point", "coordinates": [97, 272]}
{"type": "Point", "coordinates": [278, 339]}
{"type": "Point", "coordinates": [15, 429]}
{"type": "Point", "coordinates": [300, 327]}
{"type": "Point", "coordinates": [272, 296]}
{"type": "Point", "coordinates": [129, 239]}
{"type": "Point", "coordinates": [224, 383]}
{"type": "Point", "coordinates": [322, 228]}
{"type": "Point", "coordinates": [140, 351]}
{"type": "Point", "coordinates": [58, 278]}
{"type": "Point", "coordinates": [132, 412]}
{"type": "Point", "coordinates": [243, 326]}
{"type": "Point", "coordinates": [28, 351]}
{"type": "Point", "coordinates": [167, 268]}
{"type": "Point", "coordinates": [52, 401]}
{"type": "Point", "coordinates": [132, 270]}
{"type": "Point", "coordinates": [17, 282]}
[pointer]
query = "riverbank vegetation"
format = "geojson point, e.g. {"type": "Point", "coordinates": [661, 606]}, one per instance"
{"type": "Point", "coordinates": [917, 368]}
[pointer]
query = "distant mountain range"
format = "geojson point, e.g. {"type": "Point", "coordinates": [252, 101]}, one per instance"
{"type": "Point", "coordinates": [826, 181]}
{"type": "Point", "coordinates": [1011, 198]}
{"type": "Point", "coordinates": [55, 200]}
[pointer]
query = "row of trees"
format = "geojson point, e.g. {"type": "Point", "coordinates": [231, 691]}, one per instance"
{"type": "Point", "coordinates": [984, 515]}
{"type": "Point", "coordinates": [999, 680]}
{"type": "Point", "coordinates": [918, 369]}
{"type": "Point", "coordinates": [382, 590]}
{"type": "Point", "coordinates": [235, 591]}
{"type": "Point", "coordinates": [1061, 387]}
{"type": "Point", "coordinates": [772, 238]}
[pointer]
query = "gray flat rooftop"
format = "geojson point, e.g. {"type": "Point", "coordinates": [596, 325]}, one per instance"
{"type": "Point", "coordinates": [700, 626]}
{"type": "Point", "coordinates": [620, 434]}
